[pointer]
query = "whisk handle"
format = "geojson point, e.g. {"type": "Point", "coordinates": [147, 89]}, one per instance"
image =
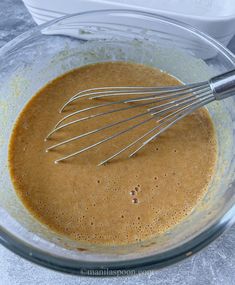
{"type": "Point", "coordinates": [223, 85]}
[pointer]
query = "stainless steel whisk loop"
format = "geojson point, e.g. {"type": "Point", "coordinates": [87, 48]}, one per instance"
{"type": "Point", "coordinates": [166, 104]}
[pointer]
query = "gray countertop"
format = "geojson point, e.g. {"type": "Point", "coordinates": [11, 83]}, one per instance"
{"type": "Point", "coordinates": [213, 265]}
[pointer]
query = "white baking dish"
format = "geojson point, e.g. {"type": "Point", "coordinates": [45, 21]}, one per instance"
{"type": "Point", "coordinates": [214, 17]}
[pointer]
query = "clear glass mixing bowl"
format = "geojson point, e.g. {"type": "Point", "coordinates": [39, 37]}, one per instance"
{"type": "Point", "coordinates": [36, 57]}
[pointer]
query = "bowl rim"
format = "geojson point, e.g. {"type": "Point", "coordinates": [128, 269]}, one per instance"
{"type": "Point", "coordinates": [119, 268]}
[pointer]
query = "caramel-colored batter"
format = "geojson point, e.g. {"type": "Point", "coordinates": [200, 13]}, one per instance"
{"type": "Point", "coordinates": [127, 200]}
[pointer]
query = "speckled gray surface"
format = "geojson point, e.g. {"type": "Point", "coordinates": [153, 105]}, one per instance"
{"type": "Point", "coordinates": [213, 265]}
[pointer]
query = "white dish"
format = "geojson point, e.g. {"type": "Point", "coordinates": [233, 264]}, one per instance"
{"type": "Point", "coordinates": [214, 17]}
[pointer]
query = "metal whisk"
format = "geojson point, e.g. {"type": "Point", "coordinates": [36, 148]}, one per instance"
{"type": "Point", "coordinates": [165, 105]}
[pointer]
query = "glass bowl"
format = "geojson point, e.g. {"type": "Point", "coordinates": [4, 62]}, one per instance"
{"type": "Point", "coordinates": [45, 52]}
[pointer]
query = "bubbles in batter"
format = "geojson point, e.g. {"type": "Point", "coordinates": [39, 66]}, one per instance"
{"type": "Point", "coordinates": [135, 201]}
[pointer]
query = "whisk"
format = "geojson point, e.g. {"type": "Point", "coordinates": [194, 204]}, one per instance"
{"type": "Point", "coordinates": [165, 105]}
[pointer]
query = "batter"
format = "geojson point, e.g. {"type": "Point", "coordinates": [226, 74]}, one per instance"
{"type": "Point", "coordinates": [127, 200]}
